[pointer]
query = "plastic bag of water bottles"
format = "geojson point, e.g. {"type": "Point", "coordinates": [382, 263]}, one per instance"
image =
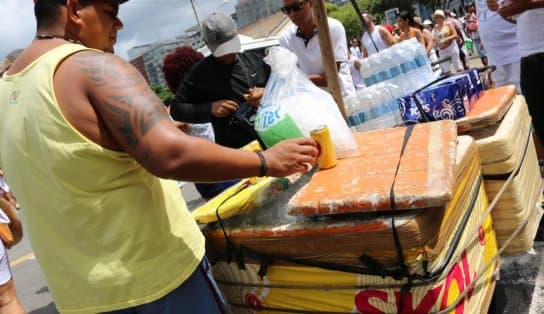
{"type": "Point", "coordinates": [292, 106]}
{"type": "Point", "coordinates": [405, 64]}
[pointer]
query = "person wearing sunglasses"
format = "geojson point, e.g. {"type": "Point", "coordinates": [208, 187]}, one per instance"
{"type": "Point", "coordinates": [301, 38]}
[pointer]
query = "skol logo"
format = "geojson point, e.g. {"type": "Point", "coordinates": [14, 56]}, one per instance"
{"type": "Point", "coordinates": [458, 279]}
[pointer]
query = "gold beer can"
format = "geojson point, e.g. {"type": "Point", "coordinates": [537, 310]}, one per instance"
{"type": "Point", "coordinates": [327, 156]}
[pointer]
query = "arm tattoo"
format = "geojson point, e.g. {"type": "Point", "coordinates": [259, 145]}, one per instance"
{"type": "Point", "coordinates": [124, 94]}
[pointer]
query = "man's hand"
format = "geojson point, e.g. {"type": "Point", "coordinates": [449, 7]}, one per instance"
{"type": "Point", "coordinates": [357, 64]}
{"type": "Point", "coordinates": [254, 96]}
{"type": "Point", "coordinates": [291, 156]}
{"type": "Point", "coordinates": [223, 108]}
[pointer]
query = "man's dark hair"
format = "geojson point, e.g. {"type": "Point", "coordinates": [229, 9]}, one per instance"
{"type": "Point", "coordinates": [406, 16]}
{"type": "Point", "coordinates": [46, 11]}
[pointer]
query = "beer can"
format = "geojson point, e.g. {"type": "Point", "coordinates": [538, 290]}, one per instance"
{"type": "Point", "coordinates": [327, 156]}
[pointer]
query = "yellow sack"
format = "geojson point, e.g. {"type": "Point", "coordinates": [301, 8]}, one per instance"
{"type": "Point", "coordinates": [243, 197]}
{"type": "Point", "coordinates": [252, 147]}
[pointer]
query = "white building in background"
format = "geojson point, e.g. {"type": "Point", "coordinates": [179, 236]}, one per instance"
{"type": "Point", "coordinates": [250, 11]}
{"type": "Point", "coordinates": [149, 58]}
{"type": "Point", "coordinates": [153, 55]}
{"type": "Point", "coordinates": [338, 2]}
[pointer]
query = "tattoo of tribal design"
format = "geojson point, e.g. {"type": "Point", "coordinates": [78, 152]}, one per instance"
{"type": "Point", "coordinates": [129, 100]}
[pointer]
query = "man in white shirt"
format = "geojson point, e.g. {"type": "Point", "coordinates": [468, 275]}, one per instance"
{"type": "Point", "coordinates": [501, 44]}
{"type": "Point", "coordinates": [376, 38]}
{"type": "Point", "coordinates": [355, 49]}
{"type": "Point", "coordinates": [529, 15]}
{"type": "Point", "coordinates": [301, 38]}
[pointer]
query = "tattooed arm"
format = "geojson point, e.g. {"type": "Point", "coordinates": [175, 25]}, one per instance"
{"type": "Point", "coordinates": [140, 125]}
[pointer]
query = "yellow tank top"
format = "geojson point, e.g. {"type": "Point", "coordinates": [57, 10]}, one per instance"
{"type": "Point", "coordinates": [106, 233]}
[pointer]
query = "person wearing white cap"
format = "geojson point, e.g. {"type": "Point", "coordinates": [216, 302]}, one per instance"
{"type": "Point", "coordinates": [225, 88]}
{"type": "Point", "coordinates": [445, 37]}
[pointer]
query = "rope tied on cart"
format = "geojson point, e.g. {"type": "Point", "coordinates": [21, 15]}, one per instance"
{"type": "Point", "coordinates": [398, 246]}
{"type": "Point", "coordinates": [231, 247]}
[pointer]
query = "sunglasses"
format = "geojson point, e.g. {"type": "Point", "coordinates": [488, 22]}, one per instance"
{"type": "Point", "coordinates": [293, 7]}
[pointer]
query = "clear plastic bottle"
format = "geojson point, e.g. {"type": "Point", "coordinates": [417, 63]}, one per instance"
{"type": "Point", "coordinates": [368, 70]}
{"type": "Point", "coordinates": [365, 113]}
{"type": "Point", "coordinates": [352, 106]}
{"type": "Point", "coordinates": [392, 55]}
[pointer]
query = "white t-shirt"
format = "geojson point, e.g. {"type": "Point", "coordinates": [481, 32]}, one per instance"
{"type": "Point", "coordinates": [498, 36]}
{"type": "Point", "coordinates": [355, 74]}
{"type": "Point", "coordinates": [356, 52]}
{"type": "Point", "coordinates": [531, 32]}
{"type": "Point", "coordinates": [309, 54]}
{"type": "Point", "coordinates": [5, 272]}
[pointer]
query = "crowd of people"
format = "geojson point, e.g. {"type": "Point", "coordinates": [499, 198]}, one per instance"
{"type": "Point", "coordinates": [117, 237]}
{"type": "Point", "coordinates": [444, 37]}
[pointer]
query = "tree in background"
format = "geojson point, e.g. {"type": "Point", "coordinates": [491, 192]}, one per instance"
{"type": "Point", "coordinates": [165, 95]}
{"type": "Point", "coordinates": [347, 16]}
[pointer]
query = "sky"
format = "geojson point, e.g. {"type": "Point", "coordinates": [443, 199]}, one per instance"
{"type": "Point", "coordinates": [145, 21]}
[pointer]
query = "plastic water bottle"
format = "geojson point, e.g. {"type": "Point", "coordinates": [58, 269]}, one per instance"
{"type": "Point", "coordinates": [373, 69]}
{"type": "Point", "coordinates": [421, 75]}
{"type": "Point", "coordinates": [365, 114]}
{"type": "Point", "coordinates": [353, 105]}
{"type": "Point", "coordinates": [392, 55]}
{"type": "Point", "coordinates": [367, 71]}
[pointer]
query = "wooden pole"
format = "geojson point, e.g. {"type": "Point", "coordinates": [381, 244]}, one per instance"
{"type": "Point", "coordinates": [359, 13]}
{"type": "Point", "coordinates": [327, 54]}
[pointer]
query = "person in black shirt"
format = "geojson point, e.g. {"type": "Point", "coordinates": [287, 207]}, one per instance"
{"type": "Point", "coordinates": [225, 88]}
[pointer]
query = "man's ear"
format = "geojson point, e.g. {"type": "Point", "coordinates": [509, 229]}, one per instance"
{"type": "Point", "coordinates": [72, 10]}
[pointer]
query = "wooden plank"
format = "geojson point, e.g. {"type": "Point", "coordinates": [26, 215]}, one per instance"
{"type": "Point", "coordinates": [362, 183]}
{"type": "Point", "coordinates": [489, 109]}
{"type": "Point", "coordinates": [327, 54]}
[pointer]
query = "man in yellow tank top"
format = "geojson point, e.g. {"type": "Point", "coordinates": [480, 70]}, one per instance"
{"type": "Point", "coordinates": [88, 148]}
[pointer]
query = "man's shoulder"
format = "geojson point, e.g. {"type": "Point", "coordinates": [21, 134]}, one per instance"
{"type": "Point", "coordinates": [334, 23]}
{"type": "Point", "coordinates": [290, 31]}
{"type": "Point", "coordinates": [288, 35]}
{"type": "Point", "coordinates": [200, 71]}
{"type": "Point", "coordinates": [252, 56]}
{"type": "Point", "coordinates": [203, 64]}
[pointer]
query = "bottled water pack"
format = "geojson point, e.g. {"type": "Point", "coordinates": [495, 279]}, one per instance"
{"type": "Point", "coordinates": [374, 107]}
{"type": "Point", "coordinates": [405, 65]}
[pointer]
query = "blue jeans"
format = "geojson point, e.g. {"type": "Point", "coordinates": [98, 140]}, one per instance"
{"type": "Point", "coordinates": [211, 190]}
{"type": "Point", "coordinates": [198, 294]}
